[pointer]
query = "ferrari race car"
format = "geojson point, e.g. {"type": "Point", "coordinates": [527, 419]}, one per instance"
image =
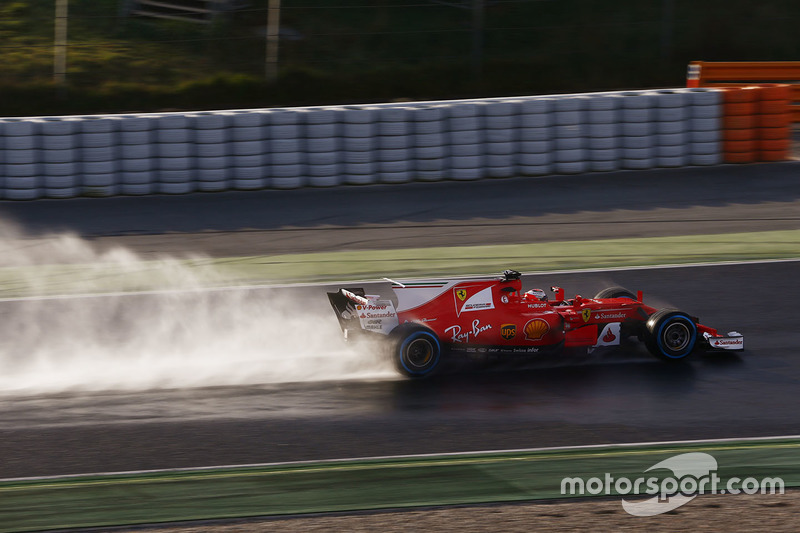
{"type": "Point", "coordinates": [492, 317]}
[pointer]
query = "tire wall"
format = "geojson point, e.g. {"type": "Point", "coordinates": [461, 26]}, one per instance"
{"type": "Point", "coordinates": [176, 153]}
{"type": "Point", "coordinates": [757, 123]}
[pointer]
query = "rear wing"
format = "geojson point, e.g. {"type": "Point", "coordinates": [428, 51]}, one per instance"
{"type": "Point", "coordinates": [359, 312]}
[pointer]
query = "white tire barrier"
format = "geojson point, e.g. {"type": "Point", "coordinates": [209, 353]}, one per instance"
{"type": "Point", "coordinates": [672, 123]}
{"type": "Point", "coordinates": [637, 114]}
{"type": "Point", "coordinates": [705, 145]}
{"type": "Point", "coordinates": [465, 141]}
{"type": "Point", "coordinates": [430, 142]}
{"type": "Point", "coordinates": [322, 153]}
{"type": "Point", "coordinates": [395, 145]}
{"type": "Point", "coordinates": [570, 134]}
{"type": "Point", "coordinates": [501, 137]}
{"type": "Point", "coordinates": [137, 152]}
{"type": "Point", "coordinates": [175, 150]}
{"type": "Point", "coordinates": [534, 136]}
{"type": "Point", "coordinates": [286, 148]}
{"type": "Point", "coordinates": [211, 133]}
{"type": "Point", "coordinates": [174, 153]}
{"type": "Point", "coordinates": [60, 156]}
{"type": "Point", "coordinates": [359, 130]}
{"type": "Point", "coordinates": [21, 168]}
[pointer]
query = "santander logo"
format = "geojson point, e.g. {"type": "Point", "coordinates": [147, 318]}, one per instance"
{"type": "Point", "coordinates": [609, 336]}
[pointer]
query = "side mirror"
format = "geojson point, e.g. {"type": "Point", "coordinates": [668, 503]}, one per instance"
{"type": "Point", "coordinates": [559, 294]}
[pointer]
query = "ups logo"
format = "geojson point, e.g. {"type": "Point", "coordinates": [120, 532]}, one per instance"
{"type": "Point", "coordinates": [508, 331]}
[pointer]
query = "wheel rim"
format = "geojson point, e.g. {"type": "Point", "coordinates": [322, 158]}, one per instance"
{"type": "Point", "coordinates": [677, 336]}
{"type": "Point", "coordinates": [419, 353]}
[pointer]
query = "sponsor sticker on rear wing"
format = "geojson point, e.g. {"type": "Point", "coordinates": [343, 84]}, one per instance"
{"type": "Point", "coordinates": [378, 316]}
{"type": "Point", "coordinates": [371, 313]}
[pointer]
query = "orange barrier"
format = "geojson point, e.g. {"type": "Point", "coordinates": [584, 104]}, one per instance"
{"type": "Point", "coordinates": [739, 136]}
{"type": "Point", "coordinates": [774, 121]}
{"type": "Point", "coordinates": [756, 123]}
{"type": "Point", "coordinates": [742, 73]}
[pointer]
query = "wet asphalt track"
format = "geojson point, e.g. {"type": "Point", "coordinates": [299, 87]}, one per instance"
{"type": "Point", "coordinates": [622, 397]}
{"type": "Point", "coordinates": [616, 397]}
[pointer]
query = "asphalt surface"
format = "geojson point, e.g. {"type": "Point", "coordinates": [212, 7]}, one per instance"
{"type": "Point", "coordinates": [692, 200]}
{"type": "Point", "coordinates": [621, 396]}
{"type": "Point", "coordinates": [618, 397]}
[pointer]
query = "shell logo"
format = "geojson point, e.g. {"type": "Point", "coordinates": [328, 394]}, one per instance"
{"type": "Point", "coordinates": [536, 329]}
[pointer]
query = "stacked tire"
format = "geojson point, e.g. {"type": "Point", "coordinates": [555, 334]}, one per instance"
{"type": "Point", "coordinates": [359, 131]}
{"type": "Point", "coordinates": [465, 141]}
{"type": "Point", "coordinates": [603, 117]}
{"type": "Point", "coordinates": [570, 134]}
{"type": "Point", "coordinates": [430, 152]}
{"type": "Point", "coordinates": [773, 121]}
{"type": "Point", "coordinates": [638, 131]}
{"type": "Point", "coordinates": [395, 143]}
{"type": "Point", "coordinates": [22, 160]}
{"type": "Point", "coordinates": [287, 150]}
{"type": "Point", "coordinates": [137, 150]}
{"type": "Point", "coordinates": [705, 107]}
{"type": "Point", "coordinates": [535, 136]}
{"type": "Point", "coordinates": [248, 154]}
{"type": "Point", "coordinates": [212, 141]}
{"type": "Point", "coordinates": [501, 138]}
{"type": "Point", "coordinates": [99, 152]}
{"type": "Point", "coordinates": [61, 169]}
{"type": "Point", "coordinates": [740, 140]}
{"type": "Point", "coordinates": [672, 127]}
{"type": "Point", "coordinates": [323, 147]}
{"type": "Point", "coordinates": [175, 154]}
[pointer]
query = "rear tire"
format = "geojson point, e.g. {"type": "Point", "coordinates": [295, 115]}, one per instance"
{"type": "Point", "coordinates": [415, 350]}
{"type": "Point", "coordinates": [615, 292]}
{"type": "Point", "coordinates": [670, 334]}
{"type": "Point", "coordinates": [630, 328]}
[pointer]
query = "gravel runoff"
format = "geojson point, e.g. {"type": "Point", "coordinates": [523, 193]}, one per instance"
{"type": "Point", "coordinates": [778, 512]}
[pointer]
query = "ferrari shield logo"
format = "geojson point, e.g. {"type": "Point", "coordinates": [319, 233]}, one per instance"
{"type": "Point", "coordinates": [508, 331]}
{"type": "Point", "coordinates": [586, 314]}
{"type": "Point", "coordinates": [473, 298]}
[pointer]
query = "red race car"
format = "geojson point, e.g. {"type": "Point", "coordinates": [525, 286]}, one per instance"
{"type": "Point", "coordinates": [492, 317]}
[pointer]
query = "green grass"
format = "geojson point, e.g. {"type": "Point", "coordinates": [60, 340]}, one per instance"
{"type": "Point", "coordinates": [104, 500]}
{"type": "Point", "coordinates": [402, 263]}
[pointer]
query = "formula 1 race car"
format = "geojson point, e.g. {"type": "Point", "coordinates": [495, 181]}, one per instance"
{"type": "Point", "coordinates": [493, 317]}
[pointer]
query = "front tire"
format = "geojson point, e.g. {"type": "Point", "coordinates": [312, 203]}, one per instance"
{"type": "Point", "coordinates": [415, 350]}
{"type": "Point", "coordinates": [670, 334]}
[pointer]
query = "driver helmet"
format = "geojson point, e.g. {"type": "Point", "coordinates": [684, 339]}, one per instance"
{"type": "Point", "coordinates": [536, 294]}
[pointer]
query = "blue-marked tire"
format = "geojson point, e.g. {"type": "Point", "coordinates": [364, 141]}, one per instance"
{"type": "Point", "coordinates": [670, 334]}
{"type": "Point", "coordinates": [415, 350]}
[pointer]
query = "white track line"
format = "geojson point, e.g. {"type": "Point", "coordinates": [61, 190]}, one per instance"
{"type": "Point", "coordinates": [402, 457]}
{"type": "Point", "coordinates": [227, 288]}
